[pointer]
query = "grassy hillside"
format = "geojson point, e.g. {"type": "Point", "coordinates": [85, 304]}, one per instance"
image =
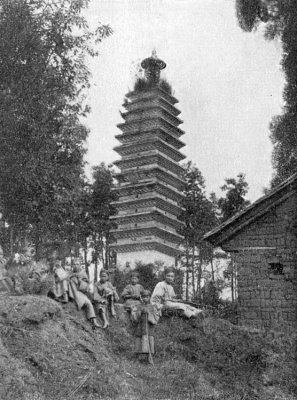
{"type": "Point", "coordinates": [48, 352]}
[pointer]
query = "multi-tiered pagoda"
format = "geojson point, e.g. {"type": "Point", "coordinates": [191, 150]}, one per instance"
{"type": "Point", "coordinates": [151, 178]}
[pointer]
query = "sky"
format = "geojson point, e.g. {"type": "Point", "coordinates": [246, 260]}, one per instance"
{"type": "Point", "coordinates": [229, 83]}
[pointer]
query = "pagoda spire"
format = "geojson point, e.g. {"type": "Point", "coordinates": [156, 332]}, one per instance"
{"type": "Point", "coordinates": [152, 67]}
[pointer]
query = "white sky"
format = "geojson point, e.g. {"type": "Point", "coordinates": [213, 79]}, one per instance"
{"type": "Point", "coordinates": [229, 83]}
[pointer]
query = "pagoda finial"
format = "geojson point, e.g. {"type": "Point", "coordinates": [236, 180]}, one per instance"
{"type": "Point", "coordinates": [154, 53]}
{"type": "Point", "coordinates": [152, 67]}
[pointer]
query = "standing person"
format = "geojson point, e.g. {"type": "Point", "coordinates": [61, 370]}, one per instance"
{"type": "Point", "coordinates": [164, 297]}
{"type": "Point", "coordinates": [132, 292]}
{"type": "Point", "coordinates": [144, 317]}
{"type": "Point", "coordinates": [78, 288]}
{"type": "Point", "coordinates": [104, 296]}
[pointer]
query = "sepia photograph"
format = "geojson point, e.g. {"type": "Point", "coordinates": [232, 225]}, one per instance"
{"type": "Point", "coordinates": [148, 199]}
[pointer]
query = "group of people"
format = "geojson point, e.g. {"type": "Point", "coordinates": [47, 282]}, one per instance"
{"type": "Point", "coordinates": [75, 285]}
{"type": "Point", "coordinates": [144, 308]}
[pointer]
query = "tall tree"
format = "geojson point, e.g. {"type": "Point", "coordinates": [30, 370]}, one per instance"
{"type": "Point", "coordinates": [43, 77]}
{"type": "Point", "coordinates": [199, 217]}
{"type": "Point", "coordinates": [103, 194]}
{"type": "Point", "coordinates": [280, 17]}
{"type": "Point", "coordinates": [234, 200]}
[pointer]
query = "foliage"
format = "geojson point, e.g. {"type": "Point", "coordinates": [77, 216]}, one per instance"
{"type": "Point", "coordinates": [43, 78]}
{"type": "Point", "coordinates": [280, 17]}
{"type": "Point", "coordinates": [92, 223]}
{"type": "Point", "coordinates": [210, 294]}
{"type": "Point", "coordinates": [149, 276]}
{"type": "Point", "coordinates": [227, 310]}
{"type": "Point", "coordinates": [143, 84]}
{"type": "Point", "coordinates": [41, 341]}
{"type": "Point", "coordinates": [28, 277]}
{"type": "Point", "coordinates": [199, 217]}
{"type": "Point", "coordinates": [234, 200]}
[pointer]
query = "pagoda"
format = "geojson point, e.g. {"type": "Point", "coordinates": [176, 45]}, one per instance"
{"type": "Point", "coordinates": [150, 181]}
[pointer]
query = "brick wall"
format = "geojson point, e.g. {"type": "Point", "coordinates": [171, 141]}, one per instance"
{"type": "Point", "coordinates": [267, 296]}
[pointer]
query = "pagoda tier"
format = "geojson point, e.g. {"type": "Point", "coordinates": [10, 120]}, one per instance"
{"type": "Point", "coordinates": [151, 123]}
{"type": "Point", "coordinates": [135, 175]}
{"type": "Point", "coordinates": [155, 97]}
{"type": "Point", "coordinates": [148, 145]}
{"type": "Point", "coordinates": [141, 189]}
{"type": "Point", "coordinates": [151, 180]}
{"type": "Point", "coordinates": [161, 218]}
{"type": "Point", "coordinates": [154, 157]}
{"type": "Point", "coordinates": [160, 134]}
{"type": "Point", "coordinates": [148, 203]}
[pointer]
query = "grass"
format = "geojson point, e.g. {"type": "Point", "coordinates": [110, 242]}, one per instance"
{"type": "Point", "coordinates": [51, 352]}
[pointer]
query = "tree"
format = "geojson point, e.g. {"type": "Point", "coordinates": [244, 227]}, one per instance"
{"type": "Point", "coordinates": [199, 217]}
{"type": "Point", "coordinates": [234, 200]}
{"type": "Point", "coordinates": [102, 196]}
{"type": "Point", "coordinates": [43, 78]}
{"type": "Point", "coordinates": [280, 17]}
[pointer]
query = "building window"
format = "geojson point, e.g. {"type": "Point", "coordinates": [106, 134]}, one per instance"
{"type": "Point", "coordinates": [276, 268]}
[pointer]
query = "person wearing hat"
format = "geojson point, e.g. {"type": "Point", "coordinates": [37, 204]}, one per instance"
{"type": "Point", "coordinates": [144, 317]}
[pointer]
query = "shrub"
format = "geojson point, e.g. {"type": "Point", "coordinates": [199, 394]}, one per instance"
{"type": "Point", "coordinates": [142, 85]}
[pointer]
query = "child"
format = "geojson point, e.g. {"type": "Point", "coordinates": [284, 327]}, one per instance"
{"type": "Point", "coordinates": [104, 297]}
{"type": "Point", "coordinates": [144, 317]}
{"type": "Point", "coordinates": [132, 293]}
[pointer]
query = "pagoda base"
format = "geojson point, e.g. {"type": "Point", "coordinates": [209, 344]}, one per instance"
{"type": "Point", "coordinates": [145, 257]}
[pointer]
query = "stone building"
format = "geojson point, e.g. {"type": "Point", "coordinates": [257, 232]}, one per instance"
{"type": "Point", "coordinates": [150, 180]}
{"type": "Point", "coordinates": [263, 241]}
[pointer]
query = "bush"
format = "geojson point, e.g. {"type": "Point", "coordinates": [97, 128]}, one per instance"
{"type": "Point", "coordinates": [142, 85]}
{"type": "Point", "coordinates": [149, 276]}
{"type": "Point", "coordinates": [29, 278]}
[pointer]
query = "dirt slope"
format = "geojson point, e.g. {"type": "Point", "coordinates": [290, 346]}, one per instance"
{"type": "Point", "coordinates": [48, 352]}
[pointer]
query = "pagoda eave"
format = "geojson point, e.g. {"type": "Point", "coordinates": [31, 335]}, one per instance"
{"type": "Point", "coordinates": [144, 161]}
{"type": "Point", "coordinates": [129, 150]}
{"type": "Point", "coordinates": [150, 108]}
{"type": "Point", "coordinates": [145, 123]}
{"type": "Point", "coordinates": [146, 216]}
{"type": "Point", "coordinates": [139, 103]}
{"type": "Point", "coordinates": [133, 95]}
{"type": "Point", "coordinates": [134, 135]}
{"type": "Point", "coordinates": [148, 186]}
{"type": "Point", "coordinates": [153, 245]}
{"type": "Point", "coordinates": [153, 202]}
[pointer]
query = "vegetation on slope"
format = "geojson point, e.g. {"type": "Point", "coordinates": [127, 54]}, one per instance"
{"type": "Point", "coordinates": [49, 352]}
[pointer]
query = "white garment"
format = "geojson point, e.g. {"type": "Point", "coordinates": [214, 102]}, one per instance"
{"type": "Point", "coordinates": [163, 297]}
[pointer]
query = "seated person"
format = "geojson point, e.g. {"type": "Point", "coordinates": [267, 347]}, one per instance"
{"type": "Point", "coordinates": [60, 289]}
{"type": "Point", "coordinates": [104, 297]}
{"type": "Point", "coordinates": [164, 298]}
{"type": "Point", "coordinates": [144, 317]}
{"type": "Point", "coordinates": [78, 288]}
{"type": "Point", "coordinates": [132, 293]}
